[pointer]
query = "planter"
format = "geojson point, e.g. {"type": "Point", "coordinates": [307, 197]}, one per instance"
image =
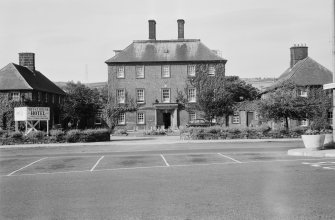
{"type": "Point", "coordinates": [313, 142]}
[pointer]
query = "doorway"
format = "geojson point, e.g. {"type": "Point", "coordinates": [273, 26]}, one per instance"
{"type": "Point", "coordinates": [167, 120]}
{"type": "Point", "coordinates": [250, 117]}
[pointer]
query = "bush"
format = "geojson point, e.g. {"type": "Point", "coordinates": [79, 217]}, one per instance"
{"type": "Point", "coordinates": [57, 136]}
{"type": "Point", "coordinates": [155, 132]}
{"type": "Point", "coordinates": [16, 135]}
{"type": "Point", "coordinates": [121, 132]}
{"type": "Point", "coordinates": [72, 136]}
{"type": "Point", "coordinates": [93, 135]}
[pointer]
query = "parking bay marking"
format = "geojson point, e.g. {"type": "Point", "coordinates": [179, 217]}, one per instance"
{"type": "Point", "coordinates": [166, 163]}
{"type": "Point", "coordinates": [237, 161]}
{"type": "Point", "coordinates": [26, 166]}
{"type": "Point", "coordinates": [96, 164]}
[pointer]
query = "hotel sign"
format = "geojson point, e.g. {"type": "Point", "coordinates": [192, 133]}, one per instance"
{"type": "Point", "coordinates": [31, 113]}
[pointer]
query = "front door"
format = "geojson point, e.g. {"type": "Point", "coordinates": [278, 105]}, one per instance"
{"type": "Point", "coordinates": [167, 120]}
{"type": "Point", "coordinates": [250, 117]}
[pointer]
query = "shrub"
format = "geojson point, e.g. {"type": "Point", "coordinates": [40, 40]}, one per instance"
{"type": "Point", "coordinates": [93, 135]}
{"type": "Point", "coordinates": [120, 132]}
{"type": "Point", "coordinates": [155, 132]}
{"type": "Point", "coordinates": [16, 135]}
{"type": "Point", "coordinates": [72, 136]}
{"type": "Point", "coordinates": [57, 136]}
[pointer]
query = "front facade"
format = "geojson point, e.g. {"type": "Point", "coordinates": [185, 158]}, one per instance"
{"type": "Point", "coordinates": [151, 73]}
{"type": "Point", "coordinates": [24, 84]}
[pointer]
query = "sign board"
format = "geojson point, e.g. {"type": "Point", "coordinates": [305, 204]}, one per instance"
{"type": "Point", "coordinates": [31, 113]}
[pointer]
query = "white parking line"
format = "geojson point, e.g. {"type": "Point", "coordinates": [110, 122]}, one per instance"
{"type": "Point", "coordinates": [237, 161]}
{"type": "Point", "coordinates": [96, 164]}
{"type": "Point", "coordinates": [166, 163]}
{"type": "Point", "coordinates": [26, 166]}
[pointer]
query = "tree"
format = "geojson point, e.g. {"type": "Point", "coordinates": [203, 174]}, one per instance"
{"type": "Point", "coordinates": [216, 95]}
{"type": "Point", "coordinates": [80, 106]}
{"type": "Point", "coordinates": [284, 103]}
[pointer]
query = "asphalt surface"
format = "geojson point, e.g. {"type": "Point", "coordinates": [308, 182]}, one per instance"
{"type": "Point", "coordinates": [187, 181]}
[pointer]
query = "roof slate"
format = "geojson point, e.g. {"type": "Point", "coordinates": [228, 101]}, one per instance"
{"type": "Point", "coordinates": [16, 77]}
{"type": "Point", "coordinates": [304, 73]}
{"type": "Point", "coordinates": [165, 51]}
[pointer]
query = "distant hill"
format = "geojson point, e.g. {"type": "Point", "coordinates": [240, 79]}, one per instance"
{"type": "Point", "coordinates": [96, 85]}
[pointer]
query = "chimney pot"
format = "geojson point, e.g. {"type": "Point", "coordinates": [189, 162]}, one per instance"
{"type": "Point", "coordinates": [181, 23]}
{"type": "Point", "coordinates": [27, 60]}
{"type": "Point", "coordinates": [152, 30]}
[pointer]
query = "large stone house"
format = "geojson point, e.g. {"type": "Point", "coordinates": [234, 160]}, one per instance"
{"type": "Point", "coordinates": [23, 83]}
{"type": "Point", "coordinates": [151, 72]}
{"type": "Point", "coordinates": [303, 71]}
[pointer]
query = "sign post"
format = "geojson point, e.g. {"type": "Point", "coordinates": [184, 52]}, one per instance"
{"type": "Point", "coordinates": [32, 116]}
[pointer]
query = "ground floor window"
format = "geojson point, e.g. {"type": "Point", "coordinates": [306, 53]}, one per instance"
{"type": "Point", "coordinates": [303, 123]}
{"type": "Point", "coordinates": [193, 116]}
{"type": "Point", "coordinates": [140, 118]}
{"type": "Point", "coordinates": [236, 117]}
{"type": "Point", "coordinates": [121, 119]}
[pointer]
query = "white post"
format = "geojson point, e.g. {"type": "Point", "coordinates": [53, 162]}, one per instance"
{"type": "Point", "coordinates": [47, 127]}
{"type": "Point", "coordinates": [333, 41]}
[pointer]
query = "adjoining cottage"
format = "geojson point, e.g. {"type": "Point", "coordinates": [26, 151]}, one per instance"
{"type": "Point", "coordinates": [24, 84]}
{"type": "Point", "coordinates": [151, 72]}
{"type": "Point", "coordinates": [304, 72]}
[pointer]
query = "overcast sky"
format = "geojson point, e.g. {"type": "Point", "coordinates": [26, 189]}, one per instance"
{"type": "Point", "coordinates": [72, 39]}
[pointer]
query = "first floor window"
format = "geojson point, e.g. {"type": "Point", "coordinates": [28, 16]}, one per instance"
{"type": "Point", "coordinates": [165, 71]}
{"type": "Point", "coordinates": [211, 70]}
{"type": "Point", "coordinates": [120, 96]}
{"type": "Point", "coordinates": [302, 93]}
{"type": "Point", "coordinates": [330, 117]}
{"type": "Point", "coordinates": [191, 95]}
{"type": "Point", "coordinates": [193, 116]}
{"type": "Point", "coordinates": [236, 117]}
{"type": "Point", "coordinates": [15, 96]}
{"type": "Point", "coordinates": [165, 95]}
{"type": "Point", "coordinates": [120, 72]}
{"type": "Point", "coordinates": [191, 70]}
{"type": "Point", "coordinates": [140, 118]}
{"type": "Point", "coordinates": [121, 119]}
{"type": "Point", "coordinates": [140, 95]}
{"type": "Point", "coordinates": [139, 71]}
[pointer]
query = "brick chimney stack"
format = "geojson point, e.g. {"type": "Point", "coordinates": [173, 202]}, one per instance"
{"type": "Point", "coordinates": [27, 60]}
{"type": "Point", "coordinates": [181, 23]}
{"type": "Point", "coordinates": [298, 52]}
{"type": "Point", "coordinates": [152, 30]}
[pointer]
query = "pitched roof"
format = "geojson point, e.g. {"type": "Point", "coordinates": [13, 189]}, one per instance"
{"type": "Point", "coordinates": [304, 73]}
{"type": "Point", "coordinates": [16, 77]}
{"type": "Point", "coordinates": [165, 51]}
{"type": "Point", "coordinates": [247, 105]}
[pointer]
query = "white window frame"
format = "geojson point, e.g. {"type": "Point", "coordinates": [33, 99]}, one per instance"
{"type": "Point", "coordinates": [192, 116]}
{"type": "Point", "coordinates": [140, 117]}
{"type": "Point", "coordinates": [139, 71]}
{"type": "Point", "coordinates": [211, 70]}
{"type": "Point", "coordinates": [121, 120]}
{"type": "Point", "coordinates": [121, 96]}
{"type": "Point", "coordinates": [166, 72]}
{"type": "Point", "coordinates": [167, 100]}
{"type": "Point", "coordinates": [256, 116]}
{"type": "Point", "coordinates": [15, 96]}
{"type": "Point", "coordinates": [191, 69]}
{"type": "Point", "coordinates": [120, 72]}
{"type": "Point", "coordinates": [236, 117]}
{"type": "Point", "coordinates": [192, 95]}
{"type": "Point", "coordinates": [140, 95]}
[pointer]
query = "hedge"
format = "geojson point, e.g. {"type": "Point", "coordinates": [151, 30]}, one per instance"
{"type": "Point", "coordinates": [217, 132]}
{"type": "Point", "coordinates": [56, 136]}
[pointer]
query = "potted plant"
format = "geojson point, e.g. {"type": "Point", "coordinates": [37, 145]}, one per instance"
{"type": "Point", "coordinates": [313, 139]}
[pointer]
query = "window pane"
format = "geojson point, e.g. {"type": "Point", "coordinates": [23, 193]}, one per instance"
{"type": "Point", "coordinates": [140, 95]}
{"type": "Point", "coordinates": [139, 71]}
{"type": "Point", "coordinates": [15, 96]}
{"type": "Point", "coordinates": [211, 70]}
{"type": "Point", "coordinates": [140, 118]}
{"type": "Point", "coordinates": [166, 95]}
{"type": "Point", "coordinates": [191, 70]}
{"type": "Point", "coordinates": [120, 71]}
{"type": "Point", "coordinates": [193, 116]}
{"type": "Point", "coordinates": [120, 96]}
{"type": "Point", "coordinates": [165, 71]}
{"type": "Point", "coordinates": [191, 95]}
{"type": "Point", "coordinates": [122, 119]}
